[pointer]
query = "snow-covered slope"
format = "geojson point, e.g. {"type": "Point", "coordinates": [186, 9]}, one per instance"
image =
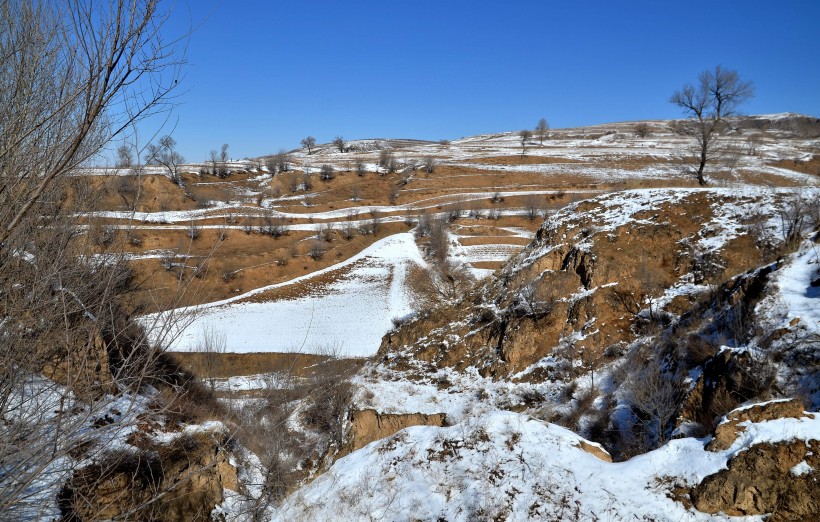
{"type": "Point", "coordinates": [494, 462]}
{"type": "Point", "coordinates": [346, 317]}
{"type": "Point", "coordinates": [507, 466]}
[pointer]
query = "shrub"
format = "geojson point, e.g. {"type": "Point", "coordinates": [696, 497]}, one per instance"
{"type": "Point", "coordinates": [326, 411]}
{"type": "Point", "coordinates": [360, 168]}
{"type": "Point", "coordinates": [348, 231]}
{"type": "Point", "coordinates": [325, 232]}
{"type": "Point", "coordinates": [355, 193]}
{"type": "Point", "coordinates": [307, 180]}
{"type": "Point", "coordinates": [393, 194]}
{"type": "Point", "coordinates": [387, 160]}
{"type": "Point", "coordinates": [104, 235]}
{"type": "Point", "coordinates": [327, 172]}
{"type": "Point", "coordinates": [429, 164]}
{"type": "Point", "coordinates": [194, 231]}
{"type": "Point", "coordinates": [317, 250]}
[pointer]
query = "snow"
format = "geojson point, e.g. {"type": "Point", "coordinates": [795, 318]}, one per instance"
{"type": "Point", "coordinates": [263, 381]}
{"type": "Point", "coordinates": [801, 468]}
{"type": "Point", "coordinates": [798, 299]}
{"type": "Point", "coordinates": [511, 466]}
{"type": "Point", "coordinates": [491, 462]}
{"type": "Point", "coordinates": [190, 429]}
{"type": "Point", "coordinates": [219, 208]}
{"type": "Point", "coordinates": [348, 317]}
{"type": "Point", "coordinates": [774, 431]}
{"type": "Point", "coordinates": [43, 425]}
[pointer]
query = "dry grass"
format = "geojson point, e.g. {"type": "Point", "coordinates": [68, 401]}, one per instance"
{"type": "Point", "coordinates": [811, 166]}
{"type": "Point", "coordinates": [231, 364]}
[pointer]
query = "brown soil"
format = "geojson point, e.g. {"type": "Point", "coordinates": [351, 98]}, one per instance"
{"type": "Point", "coordinates": [239, 263]}
{"type": "Point", "coordinates": [811, 166]}
{"type": "Point", "coordinates": [643, 260]}
{"type": "Point", "coordinates": [728, 431]}
{"type": "Point", "coordinates": [494, 240]}
{"type": "Point", "coordinates": [231, 364]}
{"type": "Point", "coordinates": [192, 471]}
{"type": "Point", "coordinates": [759, 481]}
{"type": "Point", "coordinates": [369, 425]}
{"type": "Point", "coordinates": [524, 160]}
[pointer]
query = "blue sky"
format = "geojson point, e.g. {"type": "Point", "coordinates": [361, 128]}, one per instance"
{"type": "Point", "coordinates": [261, 75]}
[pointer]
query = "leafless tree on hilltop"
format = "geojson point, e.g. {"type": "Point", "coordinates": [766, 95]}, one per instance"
{"type": "Point", "coordinates": [716, 96]}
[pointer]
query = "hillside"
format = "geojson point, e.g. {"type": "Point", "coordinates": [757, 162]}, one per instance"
{"type": "Point", "coordinates": [260, 227]}
{"type": "Point", "coordinates": [572, 332]}
{"type": "Point", "coordinates": [483, 328]}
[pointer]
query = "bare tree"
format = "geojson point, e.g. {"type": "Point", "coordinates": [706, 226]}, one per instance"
{"type": "Point", "coordinates": [213, 159]}
{"type": "Point", "coordinates": [655, 393]}
{"type": "Point", "coordinates": [533, 205]}
{"type": "Point", "coordinates": [212, 346]}
{"type": "Point", "coordinates": [223, 161]}
{"type": "Point", "coordinates": [56, 95]}
{"type": "Point", "coordinates": [388, 160]}
{"type": "Point", "coordinates": [74, 76]}
{"type": "Point", "coordinates": [438, 246]}
{"type": "Point", "coordinates": [642, 130]}
{"type": "Point", "coordinates": [339, 143]}
{"type": "Point", "coordinates": [717, 95]}
{"type": "Point", "coordinates": [525, 136]}
{"type": "Point", "coordinates": [308, 143]}
{"type": "Point", "coordinates": [164, 153]}
{"type": "Point", "coordinates": [542, 129]}
{"type": "Point", "coordinates": [125, 156]}
{"type": "Point", "coordinates": [282, 159]}
{"type": "Point", "coordinates": [327, 172]}
{"type": "Point", "coordinates": [271, 164]}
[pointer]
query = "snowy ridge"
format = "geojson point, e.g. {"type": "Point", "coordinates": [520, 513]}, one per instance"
{"type": "Point", "coordinates": [503, 464]}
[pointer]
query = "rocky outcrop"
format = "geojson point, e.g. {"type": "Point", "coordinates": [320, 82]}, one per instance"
{"type": "Point", "coordinates": [178, 481]}
{"type": "Point", "coordinates": [596, 450]}
{"type": "Point", "coordinates": [591, 279]}
{"type": "Point", "coordinates": [781, 479]}
{"type": "Point", "coordinates": [727, 431]}
{"type": "Point", "coordinates": [369, 425]}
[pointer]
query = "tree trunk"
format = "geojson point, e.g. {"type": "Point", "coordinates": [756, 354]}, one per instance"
{"type": "Point", "coordinates": [701, 179]}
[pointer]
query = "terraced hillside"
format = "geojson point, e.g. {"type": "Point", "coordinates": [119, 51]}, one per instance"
{"type": "Point", "coordinates": [313, 235]}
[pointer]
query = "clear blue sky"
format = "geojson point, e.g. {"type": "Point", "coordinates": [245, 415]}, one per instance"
{"type": "Point", "coordinates": [261, 75]}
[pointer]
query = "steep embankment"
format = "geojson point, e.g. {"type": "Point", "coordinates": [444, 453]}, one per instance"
{"type": "Point", "coordinates": [597, 276]}
{"type": "Point", "coordinates": [633, 319]}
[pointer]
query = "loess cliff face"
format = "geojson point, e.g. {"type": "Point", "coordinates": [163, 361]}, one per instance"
{"type": "Point", "coordinates": [599, 274]}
